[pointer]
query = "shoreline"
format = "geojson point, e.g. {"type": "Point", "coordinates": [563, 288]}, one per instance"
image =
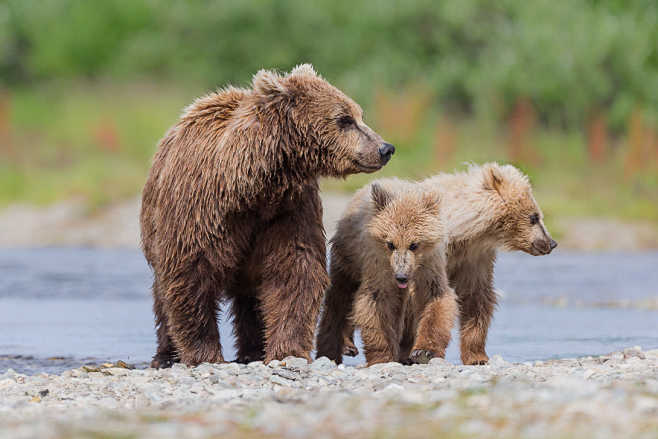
{"type": "Point", "coordinates": [69, 224]}
{"type": "Point", "coordinates": [614, 395]}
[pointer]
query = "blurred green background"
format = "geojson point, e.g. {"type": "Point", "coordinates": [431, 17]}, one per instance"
{"type": "Point", "coordinates": [568, 91]}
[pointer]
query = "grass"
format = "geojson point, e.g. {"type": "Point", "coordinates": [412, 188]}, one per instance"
{"type": "Point", "coordinates": [95, 141]}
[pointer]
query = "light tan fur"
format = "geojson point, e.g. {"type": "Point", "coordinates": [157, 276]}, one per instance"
{"type": "Point", "coordinates": [385, 253]}
{"type": "Point", "coordinates": [484, 209]}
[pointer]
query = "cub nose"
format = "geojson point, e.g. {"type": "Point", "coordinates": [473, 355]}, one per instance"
{"type": "Point", "coordinates": [386, 151]}
{"type": "Point", "coordinates": [401, 278]}
{"type": "Point", "coordinates": [553, 244]}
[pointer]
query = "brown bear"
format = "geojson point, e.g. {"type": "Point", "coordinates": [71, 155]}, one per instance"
{"type": "Point", "coordinates": [231, 210]}
{"type": "Point", "coordinates": [484, 209]}
{"type": "Point", "coordinates": [387, 249]}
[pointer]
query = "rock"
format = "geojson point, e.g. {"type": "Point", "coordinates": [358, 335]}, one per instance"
{"type": "Point", "coordinates": [230, 368]}
{"type": "Point", "coordinates": [635, 351]}
{"type": "Point", "coordinates": [115, 371]}
{"type": "Point", "coordinates": [287, 374]}
{"type": "Point", "coordinates": [295, 362]}
{"type": "Point", "coordinates": [277, 379]}
{"type": "Point", "coordinates": [322, 363]}
{"type": "Point", "coordinates": [497, 361]}
{"type": "Point", "coordinates": [439, 362]}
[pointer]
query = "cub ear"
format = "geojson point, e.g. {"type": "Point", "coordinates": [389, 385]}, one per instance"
{"type": "Point", "coordinates": [431, 201]}
{"type": "Point", "coordinates": [380, 196]}
{"type": "Point", "coordinates": [303, 69]}
{"type": "Point", "coordinates": [493, 178]}
{"type": "Point", "coordinates": [268, 83]}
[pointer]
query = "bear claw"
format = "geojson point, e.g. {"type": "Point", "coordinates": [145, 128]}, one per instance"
{"type": "Point", "coordinates": [350, 351]}
{"type": "Point", "coordinates": [475, 360]}
{"type": "Point", "coordinates": [421, 356]}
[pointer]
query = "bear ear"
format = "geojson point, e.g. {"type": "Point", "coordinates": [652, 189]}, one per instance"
{"type": "Point", "coordinates": [431, 202]}
{"type": "Point", "coordinates": [380, 196]}
{"type": "Point", "coordinates": [268, 83]}
{"type": "Point", "coordinates": [493, 178]}
{"type": "Point", "coordinates": [303, 69]}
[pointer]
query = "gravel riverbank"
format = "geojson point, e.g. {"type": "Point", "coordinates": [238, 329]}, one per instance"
{"type": "Point", "coordinates": [612, 396]}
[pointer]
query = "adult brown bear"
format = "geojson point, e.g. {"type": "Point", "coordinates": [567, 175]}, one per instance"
{"type": "Point", "coordinates": [231, 210]}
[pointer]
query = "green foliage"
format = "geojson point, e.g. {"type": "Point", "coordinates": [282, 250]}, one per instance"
{"type": "Point", "coordinates": [568, 58]}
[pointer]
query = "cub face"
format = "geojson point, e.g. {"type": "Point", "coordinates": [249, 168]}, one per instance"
{"type": "Point", "coordinates": [522, 223]}
{"type": "Point", "coordinates": [406, 228]}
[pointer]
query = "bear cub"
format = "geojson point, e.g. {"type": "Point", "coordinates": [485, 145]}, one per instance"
{"type": "Point", "coordinates": [484, 209]}
{"type": "Point", "coordinates": [387, 253]}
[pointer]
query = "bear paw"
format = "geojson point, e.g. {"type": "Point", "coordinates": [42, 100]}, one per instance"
{"type": "Point", "coordinates": [350, 350]}
{"type": "Point", "coordinates": [249, 357]}
{"type": "Point", "coordinates": [163, 361]}
{"type": "Point", "coordinates": [421, 356]}
{"type": "Point", "coordinates": [196, 358]}
{"type": "Point", "coordinates": [475, 359]}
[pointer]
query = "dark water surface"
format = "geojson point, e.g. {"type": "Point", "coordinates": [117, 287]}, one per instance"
{"type": "Point", "coordinates": [60, 308]}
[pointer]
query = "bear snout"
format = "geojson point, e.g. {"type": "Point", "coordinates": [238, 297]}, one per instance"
{"type": "Point", "coordinates": [386, 150]}
{"type": "Point", "coordinates": [402, 280]}
{"type": "Point", "coordinates": [544, 246]}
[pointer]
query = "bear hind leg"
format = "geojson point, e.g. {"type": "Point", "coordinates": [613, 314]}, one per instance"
{"type": "Point", "coordinates": [248, 326]}
{"type": "Point", "coordinates": [477, 301]}
{"type": "Point", "coordinates": [165, 355]}
{"type": "Point", "coordinates": [335, 332]}
{"type": "Point", "coordinates": [191, 303]}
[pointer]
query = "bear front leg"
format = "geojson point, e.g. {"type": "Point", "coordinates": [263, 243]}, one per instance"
{"type": "Point", "coordinates": [191, 304]}
{"type": "Point", "coordinates": [436, 322]}
{"type": "Point", "coordinates": [380, 317]}
{"type": "Point", "coordinates": [335, 327]}
{"type": "Point", "coordinates": [477, 300]}
{"type": "Point", "coordinates": [293, 279]}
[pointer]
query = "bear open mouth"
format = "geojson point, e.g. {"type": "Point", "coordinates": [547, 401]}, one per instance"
{"type": "Point", "coordinates": [402, 285]}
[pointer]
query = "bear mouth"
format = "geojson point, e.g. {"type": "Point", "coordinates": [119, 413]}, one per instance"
{"type": "Point", "coordinates": [366, 168]}
{"type": "Point", "coordinates": [402, 285]}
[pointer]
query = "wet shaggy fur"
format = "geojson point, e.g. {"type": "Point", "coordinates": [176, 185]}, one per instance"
{"type": "Point", "coordinates": [231, 210]}
{"type": "Point", "coordinates": [484, 209]}
{"type": "Point", "coordinates": [387, 255]}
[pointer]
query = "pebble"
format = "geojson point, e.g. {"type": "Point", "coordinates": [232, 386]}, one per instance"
{"type": "Point", "coordinates": [613, 395]}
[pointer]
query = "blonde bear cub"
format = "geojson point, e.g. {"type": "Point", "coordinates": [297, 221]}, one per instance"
{"type": "Point", "coordinates": [484, 209]}
{"type": "Point", "coordinates": [387, 250]}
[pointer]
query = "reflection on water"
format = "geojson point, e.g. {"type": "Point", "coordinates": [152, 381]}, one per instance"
{"type": "Point", "coordinates": [91, 305]}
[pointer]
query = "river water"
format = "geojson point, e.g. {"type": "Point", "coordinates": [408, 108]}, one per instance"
{"type": "Point", "coordinates": [63, 307]}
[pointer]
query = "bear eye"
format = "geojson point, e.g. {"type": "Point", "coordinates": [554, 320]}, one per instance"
{"type": "Point", "coordinates": [413, 246]}
{"type": "Point", "coordinates": [534, 218]}
{"type": "Point", "coordinates": [346, 121]}
{"type": "Point", "coordinates": [390, 245]}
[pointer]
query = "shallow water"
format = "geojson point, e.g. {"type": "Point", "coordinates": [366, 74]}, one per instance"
{"type": "Point", "coordinates": [60, 308]}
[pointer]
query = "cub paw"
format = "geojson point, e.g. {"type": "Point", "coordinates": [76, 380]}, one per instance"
{"type": "Point", "coordinates": [472, 359]}
{"type": "Point", "coordinates": [350, 350]}
{"type": "Point", "coordinates": [421, 356]}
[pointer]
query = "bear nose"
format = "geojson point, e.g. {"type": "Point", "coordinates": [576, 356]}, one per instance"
{"type": "Point", "coordinates": [386, 151]}
{"type": "Point", "coordinates": [401, 278]}
{"type": "Point", "coordinates": [553, 244]}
